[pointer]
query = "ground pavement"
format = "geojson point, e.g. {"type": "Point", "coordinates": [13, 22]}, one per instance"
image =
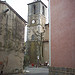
{"type": "Point", "coordinates": [35, 71]}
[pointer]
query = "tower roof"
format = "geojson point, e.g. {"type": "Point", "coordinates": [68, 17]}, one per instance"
{"type": "Point", "coordinates": [37, 2]}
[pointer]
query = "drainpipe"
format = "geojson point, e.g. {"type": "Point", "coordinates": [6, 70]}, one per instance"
{"type": "Point", "coordinates": [49, 13]}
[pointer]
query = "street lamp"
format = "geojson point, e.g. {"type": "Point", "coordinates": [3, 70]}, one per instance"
{"type": "Point", "coordinates": [38, 60]}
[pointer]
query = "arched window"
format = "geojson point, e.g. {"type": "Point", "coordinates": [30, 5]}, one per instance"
{"type": "Point", "coordinates": [33, 37]}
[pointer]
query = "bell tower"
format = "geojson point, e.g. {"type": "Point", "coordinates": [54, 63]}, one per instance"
{"type": "Point", "coordinates": [36, 17]}
{"type": "Point", "coordinates": [36, 23]}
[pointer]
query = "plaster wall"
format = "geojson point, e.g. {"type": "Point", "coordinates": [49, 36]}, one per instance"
{"type": "Point", "coordinates": [63, 33]}
{"type": "Point", "coordinates": [12, 39]}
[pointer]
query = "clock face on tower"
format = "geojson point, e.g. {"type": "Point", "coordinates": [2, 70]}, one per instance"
{"type": "Point", "coordinates": [33, 21]}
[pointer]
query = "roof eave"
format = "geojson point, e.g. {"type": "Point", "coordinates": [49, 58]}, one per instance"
{"type": "Point", "coordinates": [4, 2]}
{"type": "Point", "coordinates": [36, 2]}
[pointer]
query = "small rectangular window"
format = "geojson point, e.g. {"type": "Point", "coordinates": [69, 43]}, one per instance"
{"type": "Point", "coordinates": [34, 9]}
{"type": "Point", "coordinates": [43, 10]}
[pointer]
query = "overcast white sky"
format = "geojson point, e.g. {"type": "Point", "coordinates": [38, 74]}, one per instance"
{"type": "Point", "coordinates": [21, 6]}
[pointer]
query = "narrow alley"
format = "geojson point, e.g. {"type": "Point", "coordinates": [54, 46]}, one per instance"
{"type": "Point", "coordinates": [37, 71]}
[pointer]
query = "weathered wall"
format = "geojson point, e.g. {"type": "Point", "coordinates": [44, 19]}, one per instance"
{"type": "Point", "coordinates": [63, 33]}
{"type": "Point", "coordinates": [39, 18]}
{"type": "Point", "coordinates": [46, 51]}
{"type": "Point", "coordinates": [46, 44]}
{"type": "Point", "coordinates": [12, 38]}
{"type": "Point", "coordinates": [11, 61]}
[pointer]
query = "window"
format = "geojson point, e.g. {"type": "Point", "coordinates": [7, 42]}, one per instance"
{"type": "Point", "coordinates": [32, 37]}
{"type": "Point", "coordinates": [43, 10]}
{"type": "Point", "coordinates": [34, 9]}
{"type": "Point", "coordinates": [39, 28]}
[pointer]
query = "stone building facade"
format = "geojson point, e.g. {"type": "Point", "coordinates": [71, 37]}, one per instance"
{"type": "Point", "coordinates": [46, 43]}
{"type": "Point", "coordinates": [62, 32]}
{"type": "Point", "coordinates": [11, 38]}
{"type": "Point", "coordinates": [36, 26]}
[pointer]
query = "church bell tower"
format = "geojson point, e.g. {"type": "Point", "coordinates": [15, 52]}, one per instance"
{"type": "Point", "coordinates": [36, 25]}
